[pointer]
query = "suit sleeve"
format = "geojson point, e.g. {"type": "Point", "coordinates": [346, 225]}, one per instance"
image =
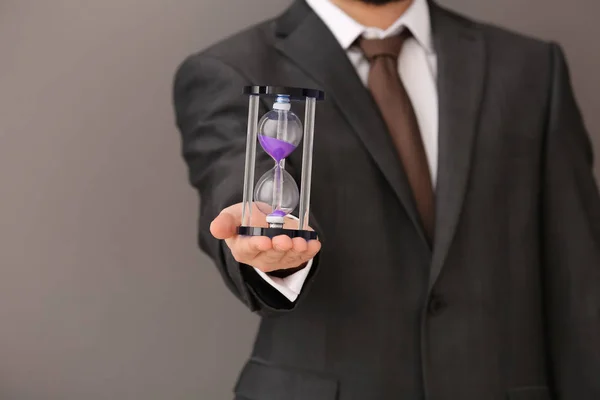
{"type": "Point", "coordinates": [212, 115]}
{"type": "Point", "coordinates": [571, 250]}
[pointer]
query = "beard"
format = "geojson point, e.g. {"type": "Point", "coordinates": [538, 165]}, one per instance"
{"type": "Point", "coordinates": [380, 2]}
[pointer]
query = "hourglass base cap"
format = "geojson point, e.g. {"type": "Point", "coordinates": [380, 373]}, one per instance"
{"type": "Point", "coordinates": [272, 232]}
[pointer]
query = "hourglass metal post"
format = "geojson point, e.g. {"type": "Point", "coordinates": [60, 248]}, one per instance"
{"type": "Point", "coordinates": [279, 133]}
{"type": "Point", "coordinates": [250, 160]}
{"type": "Point", "coordinates": [307, 152]}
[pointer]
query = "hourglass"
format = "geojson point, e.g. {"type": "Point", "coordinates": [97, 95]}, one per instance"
{"type": "Point", "coordinates": [279, 132]}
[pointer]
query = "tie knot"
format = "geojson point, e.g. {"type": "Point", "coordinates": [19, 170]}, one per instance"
{"type": "Point", "coordinates": [390, 47]}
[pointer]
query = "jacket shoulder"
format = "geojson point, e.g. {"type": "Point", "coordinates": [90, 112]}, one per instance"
{"type": "Point", "coordinates": [243, 47]}
{"type": "Point", "coordinates": [500, 38]}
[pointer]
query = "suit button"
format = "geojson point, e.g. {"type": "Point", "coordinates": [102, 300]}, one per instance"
{"type": "Point", "coordinates": [436, 305]}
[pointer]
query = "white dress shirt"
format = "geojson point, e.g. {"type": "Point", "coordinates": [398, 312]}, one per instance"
{"type": "Point", "coordinates": [417, 67]}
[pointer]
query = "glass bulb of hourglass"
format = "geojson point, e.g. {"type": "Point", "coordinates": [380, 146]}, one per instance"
{"type": "Point", "coordinates": [274, 202]}
{"type": "Point", "coordinates": [280, 130]}
{"type": "Point", "coordinates": [279, 133]}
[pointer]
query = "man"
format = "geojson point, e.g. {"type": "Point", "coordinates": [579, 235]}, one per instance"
{"type": "Point", "coordinates": [453, 196]}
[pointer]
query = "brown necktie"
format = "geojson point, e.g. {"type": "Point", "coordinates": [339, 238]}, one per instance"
{"type": "Point", "coordinates": [397, 111]}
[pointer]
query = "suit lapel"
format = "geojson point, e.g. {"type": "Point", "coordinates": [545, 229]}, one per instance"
{"type": "Point", "coordinates": [306, 41]}
{"type": "Point", "coordinates": [461, 64]}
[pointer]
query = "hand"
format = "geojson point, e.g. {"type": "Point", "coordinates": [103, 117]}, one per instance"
{"type": "Point", "coordinates": [262, 253]}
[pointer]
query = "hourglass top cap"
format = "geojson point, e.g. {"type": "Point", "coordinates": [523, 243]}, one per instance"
{"type": "Point", "coordinates": [293, 93]}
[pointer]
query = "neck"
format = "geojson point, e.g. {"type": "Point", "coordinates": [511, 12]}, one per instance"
{"type": "Point", "coordinates": [379, 16]}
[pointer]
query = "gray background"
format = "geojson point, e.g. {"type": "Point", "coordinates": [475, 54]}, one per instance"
{"type": "Point", "coordinates": [103, 294]}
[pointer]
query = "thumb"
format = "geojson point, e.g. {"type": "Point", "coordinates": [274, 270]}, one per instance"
{"type": "Point", "coordinates": [224, 226]}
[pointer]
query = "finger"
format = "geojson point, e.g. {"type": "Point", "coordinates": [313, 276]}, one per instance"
{"type": "Point", "coordinates": [224, 226]}
{"type": "Point", "coordinates": [282, 243]}
{"type": "Point", "coordinates": [310, 250]}
{"type": "Point", "coordinates": [298, 250]}
{"type": "Point", "coordinates": [246, 249]}
{"type": "Point", "coordinates": [260, 243]}
{"type": "Point", "coordinates": [314, 246]}
{"type": "Point", "coordinates": [300, 245]}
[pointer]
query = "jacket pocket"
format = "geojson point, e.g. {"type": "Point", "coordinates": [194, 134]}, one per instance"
{"type": "Point", "coordinates": [529, 393]}
{"type": "Point", "coordinates": [259, 381]}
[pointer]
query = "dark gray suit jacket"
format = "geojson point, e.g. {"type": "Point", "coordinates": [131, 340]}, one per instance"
{"type": "Point", "coordinates": [504, 305]}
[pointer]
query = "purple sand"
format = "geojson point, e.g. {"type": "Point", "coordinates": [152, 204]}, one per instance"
{"type": "Point", "coordinates": [278, 213]}
{"type": "Point", "coordinates": [278, 149]}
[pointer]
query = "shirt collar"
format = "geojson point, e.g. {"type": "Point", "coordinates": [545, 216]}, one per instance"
{"type": "Point", "coordinates": [346, 30]}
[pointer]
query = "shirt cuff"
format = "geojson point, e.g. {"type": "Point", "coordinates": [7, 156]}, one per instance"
{"type": "Point", "coordinates": [290, 286]}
